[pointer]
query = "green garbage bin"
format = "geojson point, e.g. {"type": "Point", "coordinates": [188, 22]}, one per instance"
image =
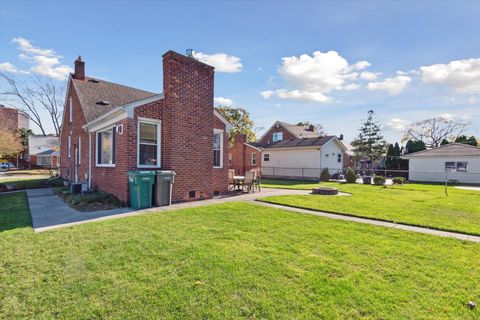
{"type": "Point", "coordinates": [162, 195]}
{"type": "Point", "coordinates": [141, 183]}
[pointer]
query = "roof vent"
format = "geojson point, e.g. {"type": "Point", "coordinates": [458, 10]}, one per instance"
{"type": "Point", "coordinates": [103, 103]}
{"type": "Point", "coordinates": [93, 80]}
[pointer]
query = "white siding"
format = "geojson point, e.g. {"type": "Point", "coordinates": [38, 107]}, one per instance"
{"type": "Point", "coordinates": [330, 152]}
{"type": "Point", "coordinates": [432, 169]}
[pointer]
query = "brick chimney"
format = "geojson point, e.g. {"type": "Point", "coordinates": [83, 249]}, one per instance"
{"type": "Point", "coordinates": [79, 69]}
{"type": "Point", "coordinates": [239, 138]}
{"type": "Point", "coordinates": [188, 121]}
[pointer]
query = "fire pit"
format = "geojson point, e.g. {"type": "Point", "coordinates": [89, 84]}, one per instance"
{"type": "Point", "coordinates": [325, 191]}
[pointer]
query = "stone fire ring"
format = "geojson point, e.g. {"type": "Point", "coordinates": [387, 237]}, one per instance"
{"type": "Point", "coordinates": [325, 191]}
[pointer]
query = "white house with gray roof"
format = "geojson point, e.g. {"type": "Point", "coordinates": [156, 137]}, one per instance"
{"type": "Point", "coordinates": [454, 161]}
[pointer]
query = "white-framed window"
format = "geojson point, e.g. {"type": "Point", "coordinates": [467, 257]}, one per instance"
{"type": "Point", "coordinates": [266, 157]}
{"type": "Point", "coordinates": [106, 148]}
{"type": "Point", "coordinates": [69, 141]}
{"type": "Point", "coordinates": [339, 158]}
{"type": "Point", "coordinates": [217, 148]}
{"type": "Point", "coordinates": [44, 160]}
{"type": "Point", "coordinates": [70, 109]}
{"type": "Point", "coordinates": [277, 136]}
{"type": "Point", "coordinates": [79, 150]}
{"type": "Point", "coordinates": [148, 143]}
{"type": "Point", "coordinates": [229, 159]}
{"type": "Point", "coordinates": [456, 166]}
{"type": "Point", "coordinates": [254, 159]}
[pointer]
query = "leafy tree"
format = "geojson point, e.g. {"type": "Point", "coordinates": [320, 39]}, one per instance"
{"type": "Point", "coordinates": [370, 142]}
{"type": "Point", "coordinates": [240, 120]}
{"type": "Point", "coordinates": [472, 141]}
{"type": "Point", "coordinates": [10, 144]}
{"type": "Point", "coordinates": [433, 131]}
{"type": "Point", "coordinates": [444, 142]}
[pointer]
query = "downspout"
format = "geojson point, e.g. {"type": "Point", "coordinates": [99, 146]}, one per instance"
{"type": "Point", "coordinates": [320, 169]}
{"type": "Point", "coordinates": [89, 161]}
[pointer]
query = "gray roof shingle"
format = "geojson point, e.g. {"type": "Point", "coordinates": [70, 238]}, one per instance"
{"type": "Point", "coordinates": [297, 143]}
{"type": "Point", "coordinates": [451, 149]}
{"type": "Point", "coordinates": [301, 131]}
{"type": "Point", "coordinates": [91, 91]}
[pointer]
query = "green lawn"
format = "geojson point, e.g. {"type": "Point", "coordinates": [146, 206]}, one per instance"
{"type": "Point", "coordinates": [235, 260]}
{"type": "Point", "coordinates": [25, 179]}
{"type": "Point", "coordinates": [416, 204]}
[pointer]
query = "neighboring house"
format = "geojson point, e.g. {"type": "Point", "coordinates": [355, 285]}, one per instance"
{"type": "Point", "coordinates": [43, 151]}
{"type": "Point", "coordinates": [243, 156]}
{"type": "Point", "coordinates": [13, 119]}
{"type": "Point", "coordinates": [110, 129]}
{"type": "Point", "coordinates": [454, 161]}
{"type": "Point", "coordinates": [292, 152]}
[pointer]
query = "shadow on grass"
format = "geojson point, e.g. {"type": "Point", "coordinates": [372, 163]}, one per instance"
{"type": "Point", "coordinates": [14, 212]}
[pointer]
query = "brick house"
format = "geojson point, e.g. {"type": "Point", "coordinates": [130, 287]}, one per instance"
{"type": "Point", "coordinates": [43, 151]}
{"type": "Point", "coordinates": [243, 156]}
{"type": "Point", "coordinates": [290, 151]}
{"type": "Point", "coordinates": [13, 119]}
{"type": "Point", "coordinates": [109, 129]}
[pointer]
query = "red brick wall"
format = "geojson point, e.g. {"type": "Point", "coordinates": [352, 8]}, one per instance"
{"type": "Point", "coordinates": [287, 135]}
{"type": "Point", "coordinates": [8, 119]}
{"type": "Point", "coordinates": [75, 130]}
{"type": "Point", "coordinates": [241, 155]}
{"type": "Point", "coordinates": [187, 123]}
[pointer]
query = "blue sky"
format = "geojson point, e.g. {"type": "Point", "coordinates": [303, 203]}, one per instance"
{"type": "Point", "coordinates": [326, 62]}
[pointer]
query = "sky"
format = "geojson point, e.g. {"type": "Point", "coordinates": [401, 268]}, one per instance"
{"type": "Point", "coordinates": [318, 61]}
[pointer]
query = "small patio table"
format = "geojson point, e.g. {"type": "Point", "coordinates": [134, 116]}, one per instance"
{"type": "Point", "coordinates": [238, 180]}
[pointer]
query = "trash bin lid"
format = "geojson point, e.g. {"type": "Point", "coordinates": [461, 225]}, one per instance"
{"type": "Point", "coordinates": [166, 172]}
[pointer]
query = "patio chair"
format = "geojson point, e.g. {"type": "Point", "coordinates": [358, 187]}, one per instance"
{"type": "Point", "coordinates": [231, 182]}
{"type": "Point", "coordinates": [249, 181]}
{"type": "Point", "coordinates": [256, 180]}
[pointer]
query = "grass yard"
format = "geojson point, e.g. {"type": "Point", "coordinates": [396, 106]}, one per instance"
{"type": "Point", "coordinates": [234, 260]}
{"type": "Point", "coordinates": [416, 204]}
{"type": "Point", "coordinates": [25, 179]}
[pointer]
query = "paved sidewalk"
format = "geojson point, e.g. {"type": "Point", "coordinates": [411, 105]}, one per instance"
{"type": "Point", "coordinates": [49, 212]}
{"type": "Point", "coordinates": [400, 226]}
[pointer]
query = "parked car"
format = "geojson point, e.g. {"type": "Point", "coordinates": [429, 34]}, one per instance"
{"type": "Point", "coordinates": [6, 166]}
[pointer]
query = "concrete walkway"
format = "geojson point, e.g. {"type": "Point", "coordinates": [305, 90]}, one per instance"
{"type": "Point", "coordinates": [374, 222]}
{"type": "Point", "coordinates": [49, 212]}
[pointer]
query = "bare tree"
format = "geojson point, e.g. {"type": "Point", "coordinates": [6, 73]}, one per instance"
{"type": "Point", "coordinates": [42, 95]}
{"type": "Point", "coordinates": [433, 131]}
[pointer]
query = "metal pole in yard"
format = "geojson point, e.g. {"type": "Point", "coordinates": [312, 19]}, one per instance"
{"type": "Point", "coordinates": [446, 182]}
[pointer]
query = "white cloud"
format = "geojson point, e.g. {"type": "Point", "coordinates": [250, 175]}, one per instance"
{"type": "Point", "coordinates": [397, 124]}
{"type": "Point", "coordinates": [221, 101]}
{"type": "Point", "coordinates": [8, 67]}
{"type": "Point", "coordinates": [393, 85]}
{"type": "Point", "coordinates": [472, 100]}
{"type": "Point", "coordinates": [311, 78]}
{"type": "Point", "coordinates": [267, 94]}
{"type": "Point", "coordinates": [369, 76]}
{"type": "Point", "coordinates": [221, 61]}
{"type": "Point", "coordinates": [45, 61]}
{"type": "Point", "coordinates": [461, 75]}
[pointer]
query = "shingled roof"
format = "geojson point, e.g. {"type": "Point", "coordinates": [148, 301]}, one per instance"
{"type": "Point", "coordinates": [98, 97]}
{"type": "Point", "coordinates": [301, 131]}
{"type": "Point", "coordinates": [451, 149]}
{"type": "Point", "coordinates": [297, 143]}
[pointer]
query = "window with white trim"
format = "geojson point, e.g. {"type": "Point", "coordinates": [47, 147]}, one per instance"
{"type": "Point", "coordinates": [254, 159]}
{"type": "Point", "coordinates": [69, 146]}
{"type": "Point", "coordinates": [148, 143]}
{"type": "Point", "coordinates": [266, 157]}
{"type": "Point", "coordinates": [106, 147]}
{"type": "Point", "coordinates": [229, 159]}
{"type": "Point", "coordinates": [277, 136]}
{"type": "Point", "coordinates": [79, 161]}
{"type": "Point", "coordinates": [44, 160]}
{"type": "Point", "coordinates": [456, 166]}
{"type": "Point", "coordinates": [70, 110]}
{"type": "Point", "coordinates": [462, 166]}
{"type": "Point", "coordinates": [217, 148]}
